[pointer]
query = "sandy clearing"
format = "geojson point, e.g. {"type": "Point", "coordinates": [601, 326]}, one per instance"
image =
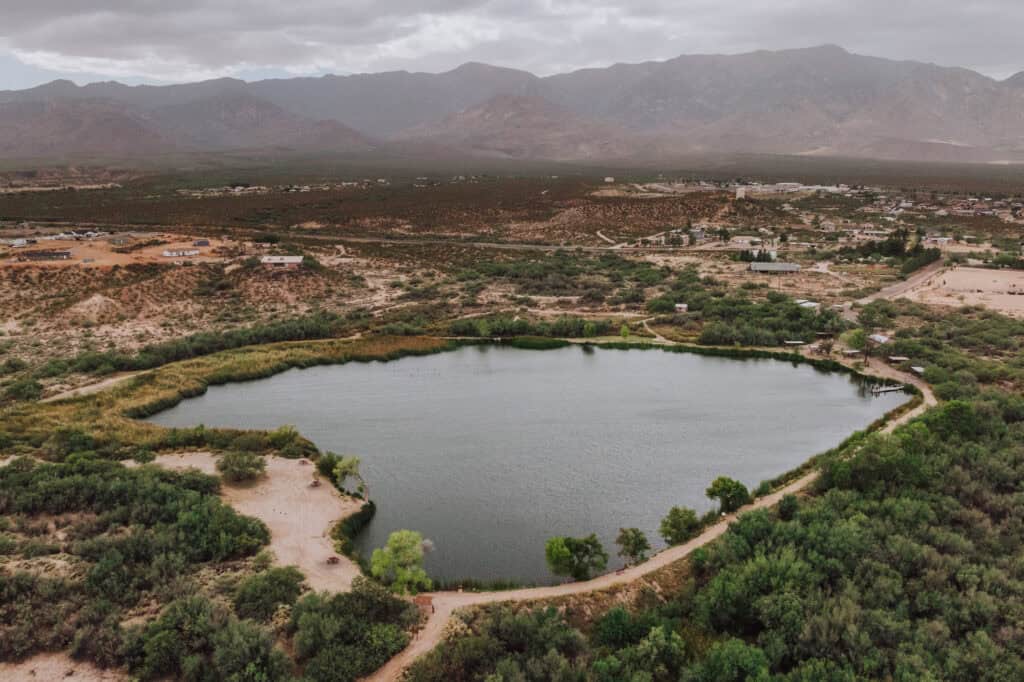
{"type": "Point", "coordinates": [999, 290]}
{"type": "Point", "coordinates": [57, 666]}
{"type": "Point", "coordinates": [101, 253]}
{"type": "Point", "coordinates": [902, 289]}
{"type": "Point", "coordinates": [300, 518]}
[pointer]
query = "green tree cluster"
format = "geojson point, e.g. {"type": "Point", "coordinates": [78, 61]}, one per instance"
{"type": "Point", "coordinates": [577, 558]}
{"type": "Point", "coordinates": [345, 636]}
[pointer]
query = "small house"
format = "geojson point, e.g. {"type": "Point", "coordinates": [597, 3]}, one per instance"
{"type": "Point", "coordinates": [45, 255]}
{"type": "Point", "coordinates": [682, 307]}
{"type": "Point", "coordinates": [898, 359]}
{"type": "Point", "coordinates": [281, 262]}
{"type": "Point", "coordinates": [201, 242]}
{"type": "Point", "coordinates": [180, 253]}
{"type": "Point", "coordinates": [880, 339]}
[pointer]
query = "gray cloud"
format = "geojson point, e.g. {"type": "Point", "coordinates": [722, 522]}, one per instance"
{"type": "Point", "coordinates": [192, 39]}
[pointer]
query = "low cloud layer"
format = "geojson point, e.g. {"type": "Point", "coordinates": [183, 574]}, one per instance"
{"type": "Point", "coordinates": [187, 40]}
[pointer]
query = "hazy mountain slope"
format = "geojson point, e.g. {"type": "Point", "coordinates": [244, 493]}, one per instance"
{"type": "Point", "coordinates": [821, 100]}
{"type": "Point", "coordinates": [58, 128]}
{"type": "Point", "coordinates": [239, 120]}
{"type": "Point", "coordinates": [387, 103]}
{"type": "Point", "coordinates": [1015, 81]}
{"type": "Point", "coordinates": [522, 127]}
{"type": "Point", "coordinates": [797, 101]}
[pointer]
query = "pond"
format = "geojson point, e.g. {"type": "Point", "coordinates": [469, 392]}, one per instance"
{"type": "Point", "coordinates": [489, 450]}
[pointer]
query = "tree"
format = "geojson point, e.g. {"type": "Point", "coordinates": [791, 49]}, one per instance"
{"type": "Point", "coordinates": [856, 339]}
{"type": "Point", "coordinates": [624, 330]}
{"type": "Point", "coordinates": [633, 544]}
{"type": "Point", "coordinates": [679, 525]}
{"type": "Point", "coordinates": [400, 563]}
{"type": "Point", "coordinates": [241, 466]}
{"type": "Point", "coordinates": [575, 557]}
{"type": "Point", "coordinates": [348, 467]}
{"type": "Point", "coordinates": [731, 494]}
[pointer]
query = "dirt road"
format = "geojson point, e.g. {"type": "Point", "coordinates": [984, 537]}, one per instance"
{"type": "Point", "coordinates": [90, 389]}
{"type": "Point", "coordinates": [897, 290]}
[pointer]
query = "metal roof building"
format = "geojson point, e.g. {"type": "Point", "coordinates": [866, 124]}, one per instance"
{"type": "Point", "coordinates": [774, 267]}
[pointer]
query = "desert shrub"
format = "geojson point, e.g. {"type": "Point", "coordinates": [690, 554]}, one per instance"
{"type": "Point", "coordinates": [194, 639]}
{"type": "Point", "coordinates": [345, 636]}
{"type": "Point", "coordinates": [12, 366]}
{"type": "Point", "coordinates": [241, 466]}
{"type": "Point", "coordinates": [143, 531]}
{"type": "Point", "coordinates": [258, 596]}
{"type": "Point", "coordinates": [25, 388]}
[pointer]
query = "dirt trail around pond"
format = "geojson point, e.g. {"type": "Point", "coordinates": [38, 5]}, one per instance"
{"type": "Point", "coordinates": [446, 603]}
{"type": "Point", "coordinates": [90, 389]}
{"type": "Point", "coordinates": [299, 517]}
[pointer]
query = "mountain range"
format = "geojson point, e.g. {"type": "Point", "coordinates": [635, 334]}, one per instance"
{"type": "Point", "coordinates": [820, 101]}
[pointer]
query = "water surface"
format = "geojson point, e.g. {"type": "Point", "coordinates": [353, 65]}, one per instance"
{"type": "Point", "coordinates": [489, 450]}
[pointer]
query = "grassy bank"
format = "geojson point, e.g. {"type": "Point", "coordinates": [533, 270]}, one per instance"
{"type": "Point", "coordinates": [107, 422]}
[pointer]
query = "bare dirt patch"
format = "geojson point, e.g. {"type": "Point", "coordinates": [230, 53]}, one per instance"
{"type": "Point", "coordinates": [999, 290]}
{"type": "Point", "coordinates": [58, 666]}
{"type": "Point", "coordinates": [300, 518]}
{"type": "Point", "coordinates": [104, 253]}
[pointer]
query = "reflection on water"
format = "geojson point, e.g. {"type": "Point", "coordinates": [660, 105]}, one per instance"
{"type": "Point", "coordinates": [490, 450]}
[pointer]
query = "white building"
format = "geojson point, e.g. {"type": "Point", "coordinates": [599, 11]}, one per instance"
{"type": "Point", "coordinates": [281, 262]}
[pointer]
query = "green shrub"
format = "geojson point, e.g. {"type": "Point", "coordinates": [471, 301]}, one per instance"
{"type": "Point", "coordinates": [679, 525]}
{"type": "Point", "coordinates": [345, 636]}
{"type": "Point", "coordinates": [25, 388]}
{"type": "Point", "coordinates": [258, 596]}
{"type": "Point", "coordinates": [241, 466]}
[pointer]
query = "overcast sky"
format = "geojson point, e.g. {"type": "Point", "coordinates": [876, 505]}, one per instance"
{"type": "Point", "coordinates": [185, 40]}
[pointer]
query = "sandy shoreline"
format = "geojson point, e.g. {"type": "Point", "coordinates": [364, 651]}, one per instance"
{"type": "Point", "coordinates": [300, 518]}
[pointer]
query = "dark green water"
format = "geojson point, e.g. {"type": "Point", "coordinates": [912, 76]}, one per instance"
{"type": "Point", "coordinates": [490, 450]}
